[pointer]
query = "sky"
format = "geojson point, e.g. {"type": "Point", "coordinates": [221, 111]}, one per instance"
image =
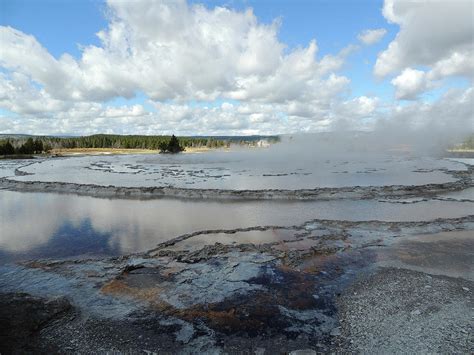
{"type": "Point", "coordinates": [235, 67]}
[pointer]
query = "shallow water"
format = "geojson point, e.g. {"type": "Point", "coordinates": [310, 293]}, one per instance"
{"type": "Point", "coordinates": [249, 237]}
{"type": "Point", "coordinates": [38, 225]}
{"type": "Point", "coordinates": [444, 253]}
{"type": "Point", "coordinates": [243, 170]}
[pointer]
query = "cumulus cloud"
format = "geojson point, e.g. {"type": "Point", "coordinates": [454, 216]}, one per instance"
{"type": "Point", "coordinates": [410, 83]}
{"type": "Point", "coordinates": [171, 50]}
{"type": "Point", "coordinates": [174, 52]}
{"type": "Point", "coordinates": [361, 106]}
{"type": "Point", "coordinates": [432, 33]}
{"type": "Point", "coordinates": [244, 79]}
{"type": "Point", "coordinates": [425, 124]}
{"type": "Point", "coordinates": [369, 37]}
{"type": "Point", "coordinates": [18, 94]}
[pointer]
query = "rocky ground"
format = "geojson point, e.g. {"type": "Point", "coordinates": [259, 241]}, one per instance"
{"type": "Point", "coordinates": [325, 286]}
{"type": "Point", "coordinates": [396, 311]}
{"type": "Point", "coordinates": [23, 316]}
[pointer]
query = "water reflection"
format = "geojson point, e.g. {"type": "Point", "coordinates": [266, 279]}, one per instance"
{"type": "Point", "coordinates": [35, 225]}
{"type": "Point", "coordinates": [67, 241]}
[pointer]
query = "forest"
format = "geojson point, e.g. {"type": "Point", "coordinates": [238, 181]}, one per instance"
{"type": "Point", "coordinates": [41, 144]}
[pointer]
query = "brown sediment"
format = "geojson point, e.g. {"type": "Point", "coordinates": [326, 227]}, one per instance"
{"type": "Point", "coordinates": [258, 312]}
{"type": "Point", "coordinates": [252, 313]}
{"type": "Point", "coordinates": [38, 264]}
{"type": "Point", "coordinates": [147, 289]}
{"type": "Point", "coordinates": [148, 294]}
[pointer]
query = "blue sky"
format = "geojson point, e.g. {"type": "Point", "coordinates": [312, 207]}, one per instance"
{"type": "Point", "coordinates": [71, 26]}
{"type": "Point", "coordinates": [61, 25]}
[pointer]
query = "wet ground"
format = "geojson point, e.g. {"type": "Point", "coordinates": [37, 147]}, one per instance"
{"type": "Point", "coordinates": [391, 272]}
{"type": "Point", "coordinates": [278, 294]}
{"type": "Point", "coordinates": [238, 170]}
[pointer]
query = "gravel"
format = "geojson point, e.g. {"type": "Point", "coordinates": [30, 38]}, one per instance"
{"type": "Point", "coordinates": [396, 311]}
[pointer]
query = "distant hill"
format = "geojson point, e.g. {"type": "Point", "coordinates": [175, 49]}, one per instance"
{"type": "Point", "coordinates": [15, 136]}
{"type": "Point", "coordinates": [26, 136]}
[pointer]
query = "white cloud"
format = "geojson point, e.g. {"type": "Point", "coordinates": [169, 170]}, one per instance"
{"type": "Point", "coordinates": [450, 116]}
{"type": "Point", "coordinates": [456, 64]}
{"type": "Point", "coordinates": [369, 37]}
{"type": "Point", "coordinates": [175, 53]}
{"type": "Point", "coordinates": [431, 32]}
{"type": "Point", "coordinates": [435, 41]}
{"type": "Point", "coordinates": [17, 94]}
{"type": "Point", "coordinates": [362, 105]}
{"type": "Point", "coordinates": [131, 111]}
{"type": "Point", "coordinates": [410, 83]}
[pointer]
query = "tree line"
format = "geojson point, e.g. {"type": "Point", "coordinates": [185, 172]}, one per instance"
{"type": "Point", "coordinates": [29, 147]}
{"type": "Point", "coordinates": [127, 142]}
{"type": "Point", "coordinates": [43, 144]}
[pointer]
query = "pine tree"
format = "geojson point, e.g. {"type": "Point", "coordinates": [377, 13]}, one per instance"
{"type": "Point", "coordinates": [7, 149]}
{"type": "Point", "coordinates": [172, 146]}
{"type": "Point", "coordinates": [38, 146]}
